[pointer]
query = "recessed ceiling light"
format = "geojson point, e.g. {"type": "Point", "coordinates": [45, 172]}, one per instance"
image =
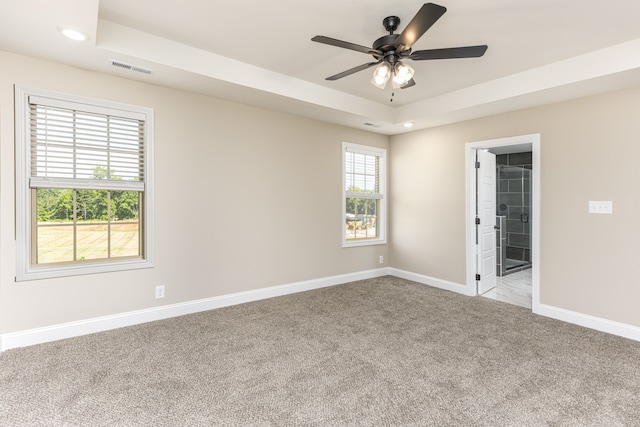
{"type": "Point", "coordinates": [408, 124]}
{"type": "Point", "coordinates": [73, 34]}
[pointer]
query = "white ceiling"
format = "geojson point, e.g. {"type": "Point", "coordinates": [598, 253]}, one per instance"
{"type": "Point", "coordinates": [260, 52]}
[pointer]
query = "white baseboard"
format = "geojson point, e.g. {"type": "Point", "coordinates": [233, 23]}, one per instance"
{"type": "Point", "coordinates": [431, 281]}
{"type": "Point", "coordinates": [592, 322]}
{"type": "Point", "coordinates": [105, 323]}
{"type": "Point", "coordinates": [99, 324]}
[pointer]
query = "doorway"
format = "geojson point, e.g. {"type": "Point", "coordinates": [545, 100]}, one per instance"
{"type": "Point", "coordinates": [522, 264]}
{"type": "Point", "coordinates": [513, 211]}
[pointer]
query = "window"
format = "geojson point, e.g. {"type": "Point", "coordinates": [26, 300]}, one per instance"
{"type": "Point", "coordinates": [83, 178]}
{"type": "Point", "coordinates": [364, 202]}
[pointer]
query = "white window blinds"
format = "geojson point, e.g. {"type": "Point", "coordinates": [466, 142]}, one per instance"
{"type": "Point", "coordinates": [85, 147]}
{"type": "Point", "coordinates": [362, 173]}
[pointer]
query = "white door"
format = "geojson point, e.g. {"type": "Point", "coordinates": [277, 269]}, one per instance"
{"type": "Point", "coordinates": [486, 214]}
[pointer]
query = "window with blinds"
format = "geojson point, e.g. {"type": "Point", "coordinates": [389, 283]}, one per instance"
{"type": "Point", "coordinates": [74, 148]}
{"type": "Point", "coordinates": [363, 194]}
{"type": "Point", "coordinates": [362, 174]}
{"type": "Point", "coordinates": [84, 196]}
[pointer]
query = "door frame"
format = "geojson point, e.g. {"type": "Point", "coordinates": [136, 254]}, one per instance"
{"type": "Point", "coordinates": [534, 141]}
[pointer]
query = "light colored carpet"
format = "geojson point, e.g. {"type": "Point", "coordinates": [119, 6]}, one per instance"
{"type": "Point", "coordinates": [378, 352]}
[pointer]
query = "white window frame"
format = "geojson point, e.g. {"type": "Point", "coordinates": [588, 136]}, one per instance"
{"type": "Point", "coordinates": [381, 153]}
{"type": "Point", "coordinates": [24, 269]}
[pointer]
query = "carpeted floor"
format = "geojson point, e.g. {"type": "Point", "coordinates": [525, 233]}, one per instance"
{"type": "Point", "coordinates": [380, 352]}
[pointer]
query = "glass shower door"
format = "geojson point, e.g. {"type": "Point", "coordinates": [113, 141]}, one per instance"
{"type": "Point", "coordinates": [514, 202]}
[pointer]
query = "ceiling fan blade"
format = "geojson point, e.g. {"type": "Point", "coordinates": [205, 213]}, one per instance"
{"type": "Point", "coordinates": [353, 70]}
{"type": "Point", "coordinates": [428, 14]}
{"type": "Point", "coordinates": [409, 84]}
{"type": "Point", "coordinates": [448, 53]}
{"type": "Point", "coordinates": [345, 45]}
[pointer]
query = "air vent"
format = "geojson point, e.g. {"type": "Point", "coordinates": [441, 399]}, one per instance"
{"type": "Point", "coordinates": [371, 124]}
{"type": "Point", "coordinates": [131, 67]}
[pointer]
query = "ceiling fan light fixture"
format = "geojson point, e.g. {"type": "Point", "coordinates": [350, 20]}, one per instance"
{"type": "Point", "coordinates": [381, 75]}
{"type": "Point", "coordinates": [388, 50]}
{"type": "Point", "coordinates": [402, 74]}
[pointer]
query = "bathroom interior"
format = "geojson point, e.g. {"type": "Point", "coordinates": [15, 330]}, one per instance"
{"type": "Point", "coordinates": [513, 212]}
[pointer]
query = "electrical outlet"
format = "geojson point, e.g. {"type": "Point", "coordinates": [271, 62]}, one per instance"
{"type": "Point", "coordinates": [600, 207]}
{"type": "Point", "coordinates": [160, 291]}
{"type": "Point", "coordinates": [381, 260]}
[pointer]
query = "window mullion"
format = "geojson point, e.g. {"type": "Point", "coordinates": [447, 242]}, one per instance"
{"type": "Point", "coordinates": [108, 224]}
{"type": "Point", "coordinates": [75, 226]}
{"type": "Point", "coordinates": [75, 145]}
{"type": "Point", "coordinates": [108, 172]}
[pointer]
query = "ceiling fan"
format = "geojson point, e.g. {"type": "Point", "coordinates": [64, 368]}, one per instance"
{"type": "Point", "coordinates": [390, 50]}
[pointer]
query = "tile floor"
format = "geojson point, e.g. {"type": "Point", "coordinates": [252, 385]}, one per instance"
{"type": "Point", "coordinates": [513, 288]}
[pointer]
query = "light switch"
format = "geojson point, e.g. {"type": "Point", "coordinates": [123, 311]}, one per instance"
{"type": "Point", "coordinates": [601, 207]}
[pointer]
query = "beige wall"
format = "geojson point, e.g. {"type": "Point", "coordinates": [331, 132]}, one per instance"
{"type": "Point", "coordinates": [259, 205]}
{"type": "Point", "coordinates": [589, 151]}
{"type": "Point", "coordinates": [245, 198]}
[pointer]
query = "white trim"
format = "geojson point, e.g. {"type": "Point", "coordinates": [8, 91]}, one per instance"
{"type": "Point", "coordinates": [105, 323]}
{"type": "Point", "coordinates": [430, 281]}
{"type": "Point", "coordinates": [534, 140]}
{"type": "Point", "coordinates": [74, 102]}
{"type": "Point", "coordinates": [591, 322]}
{"type": "Point", "coordinates": [84, 269]}
{"type": "Point", "coordinates": [580, 319]}
{"type": "Point", "coordinates": [382, 195]}
{"type": "Point", "coordinates": [535, 235]}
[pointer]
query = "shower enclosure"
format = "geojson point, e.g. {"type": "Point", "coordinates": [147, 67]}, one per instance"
{"type": "Point", "coordinates": [513, 209]}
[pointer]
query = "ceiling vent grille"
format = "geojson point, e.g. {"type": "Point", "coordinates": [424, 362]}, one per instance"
{"type": "Point", "coordinates": [131, 67]}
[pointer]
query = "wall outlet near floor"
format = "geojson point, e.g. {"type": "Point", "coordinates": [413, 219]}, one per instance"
{"type": "Point", "coordinates": [381, 260]}
{"type": "Point", "coordinates": [160, 291]}
{"type": "Point", "coordinates": [600, 207]}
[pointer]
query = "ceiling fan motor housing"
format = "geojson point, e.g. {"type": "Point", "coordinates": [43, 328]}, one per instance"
{"type": "Point", "coordinates": [385, 45]}
{"type": "Point", "coordinates": [391, 23]}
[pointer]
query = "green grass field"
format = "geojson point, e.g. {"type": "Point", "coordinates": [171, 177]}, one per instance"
{"type": "Point", "coordinates": [55, 242]}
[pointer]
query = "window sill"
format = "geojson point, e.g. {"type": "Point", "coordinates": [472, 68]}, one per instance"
{"type": "Point", "coordinates": [38, 273]}
{"type": "Point", "coordinates": [357, 243]}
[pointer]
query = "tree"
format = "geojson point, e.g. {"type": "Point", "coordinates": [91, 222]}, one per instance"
{"type": "Point", "coordinates": [47, 200]}
{"type": "Point", "coordinates": [124, 205]}
{"type": "Point", "coordinates": [55, 204]}
{"type": "Point", "coordinates": [64, 207]}
{"type": "Point", "coordinates": [100, 172]}
{"type": "Point", "coordinates": [360, 205]}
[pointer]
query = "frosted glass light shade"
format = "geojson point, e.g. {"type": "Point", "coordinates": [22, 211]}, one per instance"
{"type": "Point", "coordinates": [402, 74]}
{"type": "Point", "coordinates": [381, 75]}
